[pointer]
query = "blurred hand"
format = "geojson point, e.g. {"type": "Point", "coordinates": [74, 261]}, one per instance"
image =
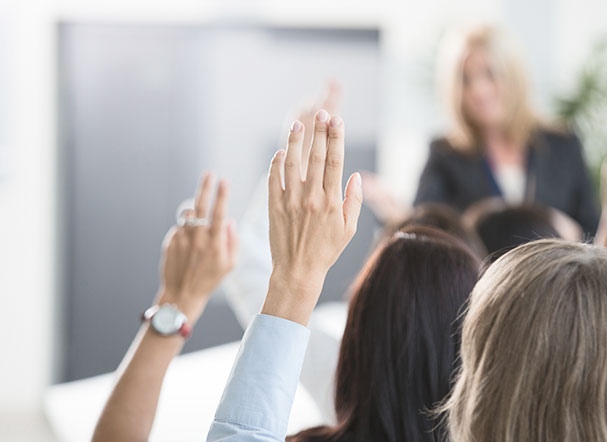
{"type": "Point", "coordinates": [329, 101]}
{"type": "Point", "coordinates": [601, 233]}
{"type": "Point", "coordinates": [196, 258]}
{"type": "Point", "coordinates": [310, 222]}
{"type": "Point", "coordinates": [381, 200]}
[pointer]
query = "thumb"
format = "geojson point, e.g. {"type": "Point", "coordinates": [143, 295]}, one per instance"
{"type": "Point", "coordinates": [353, 202]}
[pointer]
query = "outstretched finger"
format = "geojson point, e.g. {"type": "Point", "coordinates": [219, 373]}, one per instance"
{"type": "Point", "coordinates": [219, 211]}
{"type": "Point", "coordinates": [334, 168]}
{"type": "Point", "coordinates": [203, 197]}
{"type": "Point", "coordinates": [332, 97]}
{"type": "Point", "coordinates": [292, 165]}
{"type": "Point", "coordinates": [318, 152]}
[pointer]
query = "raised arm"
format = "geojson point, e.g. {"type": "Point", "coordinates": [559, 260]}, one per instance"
{"type": "Point", "coordinates": [585, 208]}
{"type": "Point", "coordinates": [247, 285]}
{"type": "Point", "coordinates": [601, 232]}
{"type": "Point", "coordinates": [196, 256]}
{"type": "Point", "coordinates": [310, 225]}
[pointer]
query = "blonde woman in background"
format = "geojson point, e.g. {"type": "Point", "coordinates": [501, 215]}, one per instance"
{"type": "Point", "coordinates": [496, 146]}
{"type": "Point", "coordinates": [534, 349]}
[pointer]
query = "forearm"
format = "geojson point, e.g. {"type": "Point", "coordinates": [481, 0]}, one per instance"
{"type": "Point", "coordinates": [196, 255]}
{"type": "Point", "coordinates": [257, 400]}
{"type": "Point", "coordinates": [129, 412]}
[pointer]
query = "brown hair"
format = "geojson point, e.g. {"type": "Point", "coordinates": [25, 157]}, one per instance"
{"type": "Point", "coordinates": [534, 349]}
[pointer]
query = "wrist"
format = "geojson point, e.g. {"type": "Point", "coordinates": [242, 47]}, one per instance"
{"type": "Point", "coordinates": [191, 306]}
{"type": "Point", "coordinates": [292, 296]}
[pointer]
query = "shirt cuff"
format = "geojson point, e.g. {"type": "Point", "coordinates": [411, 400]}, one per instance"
{"type": "Point", "coordinates": [263, 381]}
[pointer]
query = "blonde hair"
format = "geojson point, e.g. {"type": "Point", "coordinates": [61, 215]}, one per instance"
{"type": "Point", "coordinates": [508, 70]}
{"type": "Point", "coordinates": [534, 349]}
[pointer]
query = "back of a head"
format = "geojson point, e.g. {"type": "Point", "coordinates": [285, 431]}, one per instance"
{"type": "Point", "coordinates": [444, 218]}
{"type": "Point", "coordinates": [534, 349]}
{"type": "Point", "coordinates": [504, 229]}
{"type": "Point", "coordinates": [401, 341]}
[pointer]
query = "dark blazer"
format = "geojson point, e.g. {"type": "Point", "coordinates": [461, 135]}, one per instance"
{"type": "Point", "coordinates": [556, 177]}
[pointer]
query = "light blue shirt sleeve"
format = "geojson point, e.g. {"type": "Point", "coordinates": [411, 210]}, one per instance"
{"type": "Point", "coordinates": [256, 403]}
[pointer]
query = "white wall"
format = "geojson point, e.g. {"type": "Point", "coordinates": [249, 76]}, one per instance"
{"type": "Point", "coordinates": [579, 24]}
{"type": "Point", "coordinates": [27, 209]}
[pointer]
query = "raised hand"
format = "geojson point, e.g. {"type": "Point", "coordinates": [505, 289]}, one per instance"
{"type": "Point", "coordinates": [329, 101]}
{"type": "Point", "coordinates": [310, 221]}
{"type": "Point", "coordinates": [601, 233]}
{"type": "Point", "coordinates": [196, 256]}
{"type": "Point", "coordinates": [198, 253]}
{"type": "Point", "coordinates": [381, 200]}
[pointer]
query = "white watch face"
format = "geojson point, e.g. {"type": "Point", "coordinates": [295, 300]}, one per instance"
{"type": "Point", "coordinates": [168, 320]}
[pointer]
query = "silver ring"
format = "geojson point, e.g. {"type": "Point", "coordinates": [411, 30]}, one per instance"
{"type": "Point", "coordinates": [192, 222]}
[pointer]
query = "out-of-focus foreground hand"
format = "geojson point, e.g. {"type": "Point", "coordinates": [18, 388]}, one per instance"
{"type": "Point", "coordinates": [329, 101]}
{"type": "Point", "coordinates": [381, 200]}
{"type": "Point", "coordinates": [199, 253]}
{"type": "Point", "coordinates": [601, 233]}
{"type": "Point", "coordinates": [310, 222]}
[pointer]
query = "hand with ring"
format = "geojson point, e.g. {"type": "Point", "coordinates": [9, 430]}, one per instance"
{"type": "Point", "coordinates": [198, 252]}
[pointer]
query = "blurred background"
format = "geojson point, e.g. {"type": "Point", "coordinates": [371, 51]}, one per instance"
{"type": "Point", "coordinates": [110, 111]}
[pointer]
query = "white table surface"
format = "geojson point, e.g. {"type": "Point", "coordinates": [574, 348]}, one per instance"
{"type": "Point", "coordinates": [190, 394]}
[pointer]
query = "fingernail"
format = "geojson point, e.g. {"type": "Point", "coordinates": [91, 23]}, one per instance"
{"type": "Point", "coordinates": [335, 122]}
{"type": "Point", "coordinates": [358, 181]}
{"type": "Point", "coordinates": [322, 116]}
{"type": "Point", "coordinates": [279, 153]}
{"type": "Point", "coordinates": [296, 126]}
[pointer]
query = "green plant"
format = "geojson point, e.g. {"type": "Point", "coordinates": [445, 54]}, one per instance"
{"type": "Point", "coordinates": [586, 108]}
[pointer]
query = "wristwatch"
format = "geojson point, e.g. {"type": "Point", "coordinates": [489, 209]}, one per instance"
{"type": "Point", "coordinates": [167, 320]}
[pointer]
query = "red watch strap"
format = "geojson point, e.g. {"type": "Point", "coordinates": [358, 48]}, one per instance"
{"type": "Point", "coordinates": [185, 330]}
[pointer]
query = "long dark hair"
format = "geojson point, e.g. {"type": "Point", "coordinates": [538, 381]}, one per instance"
{"type": "Point", "coordinates": [401, 341]}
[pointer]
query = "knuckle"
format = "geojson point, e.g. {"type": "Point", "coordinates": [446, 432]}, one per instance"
{"type": "Point", "coordinates": [292, 206]}
{"type": "Point", "coordinates": [334, 205]}
{"type": "Point", "coordinates": [295, 136]}
{"type": "Point", "coordinates": [290, 163]}
{"type": "Point", "coordinates": [316, 158]}
{"type": "Point", "coordinates": [311, 204]}
{"type": "Point", "coordinates": [320, 127]}
{"type": "Point", "coordinates": [335, 133]}
{"type": "Point", "coordinates": [334, 160]}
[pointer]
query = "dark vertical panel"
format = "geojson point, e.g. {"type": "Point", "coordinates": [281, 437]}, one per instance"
{"type": "Point", "coordinates": [144, 109]}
